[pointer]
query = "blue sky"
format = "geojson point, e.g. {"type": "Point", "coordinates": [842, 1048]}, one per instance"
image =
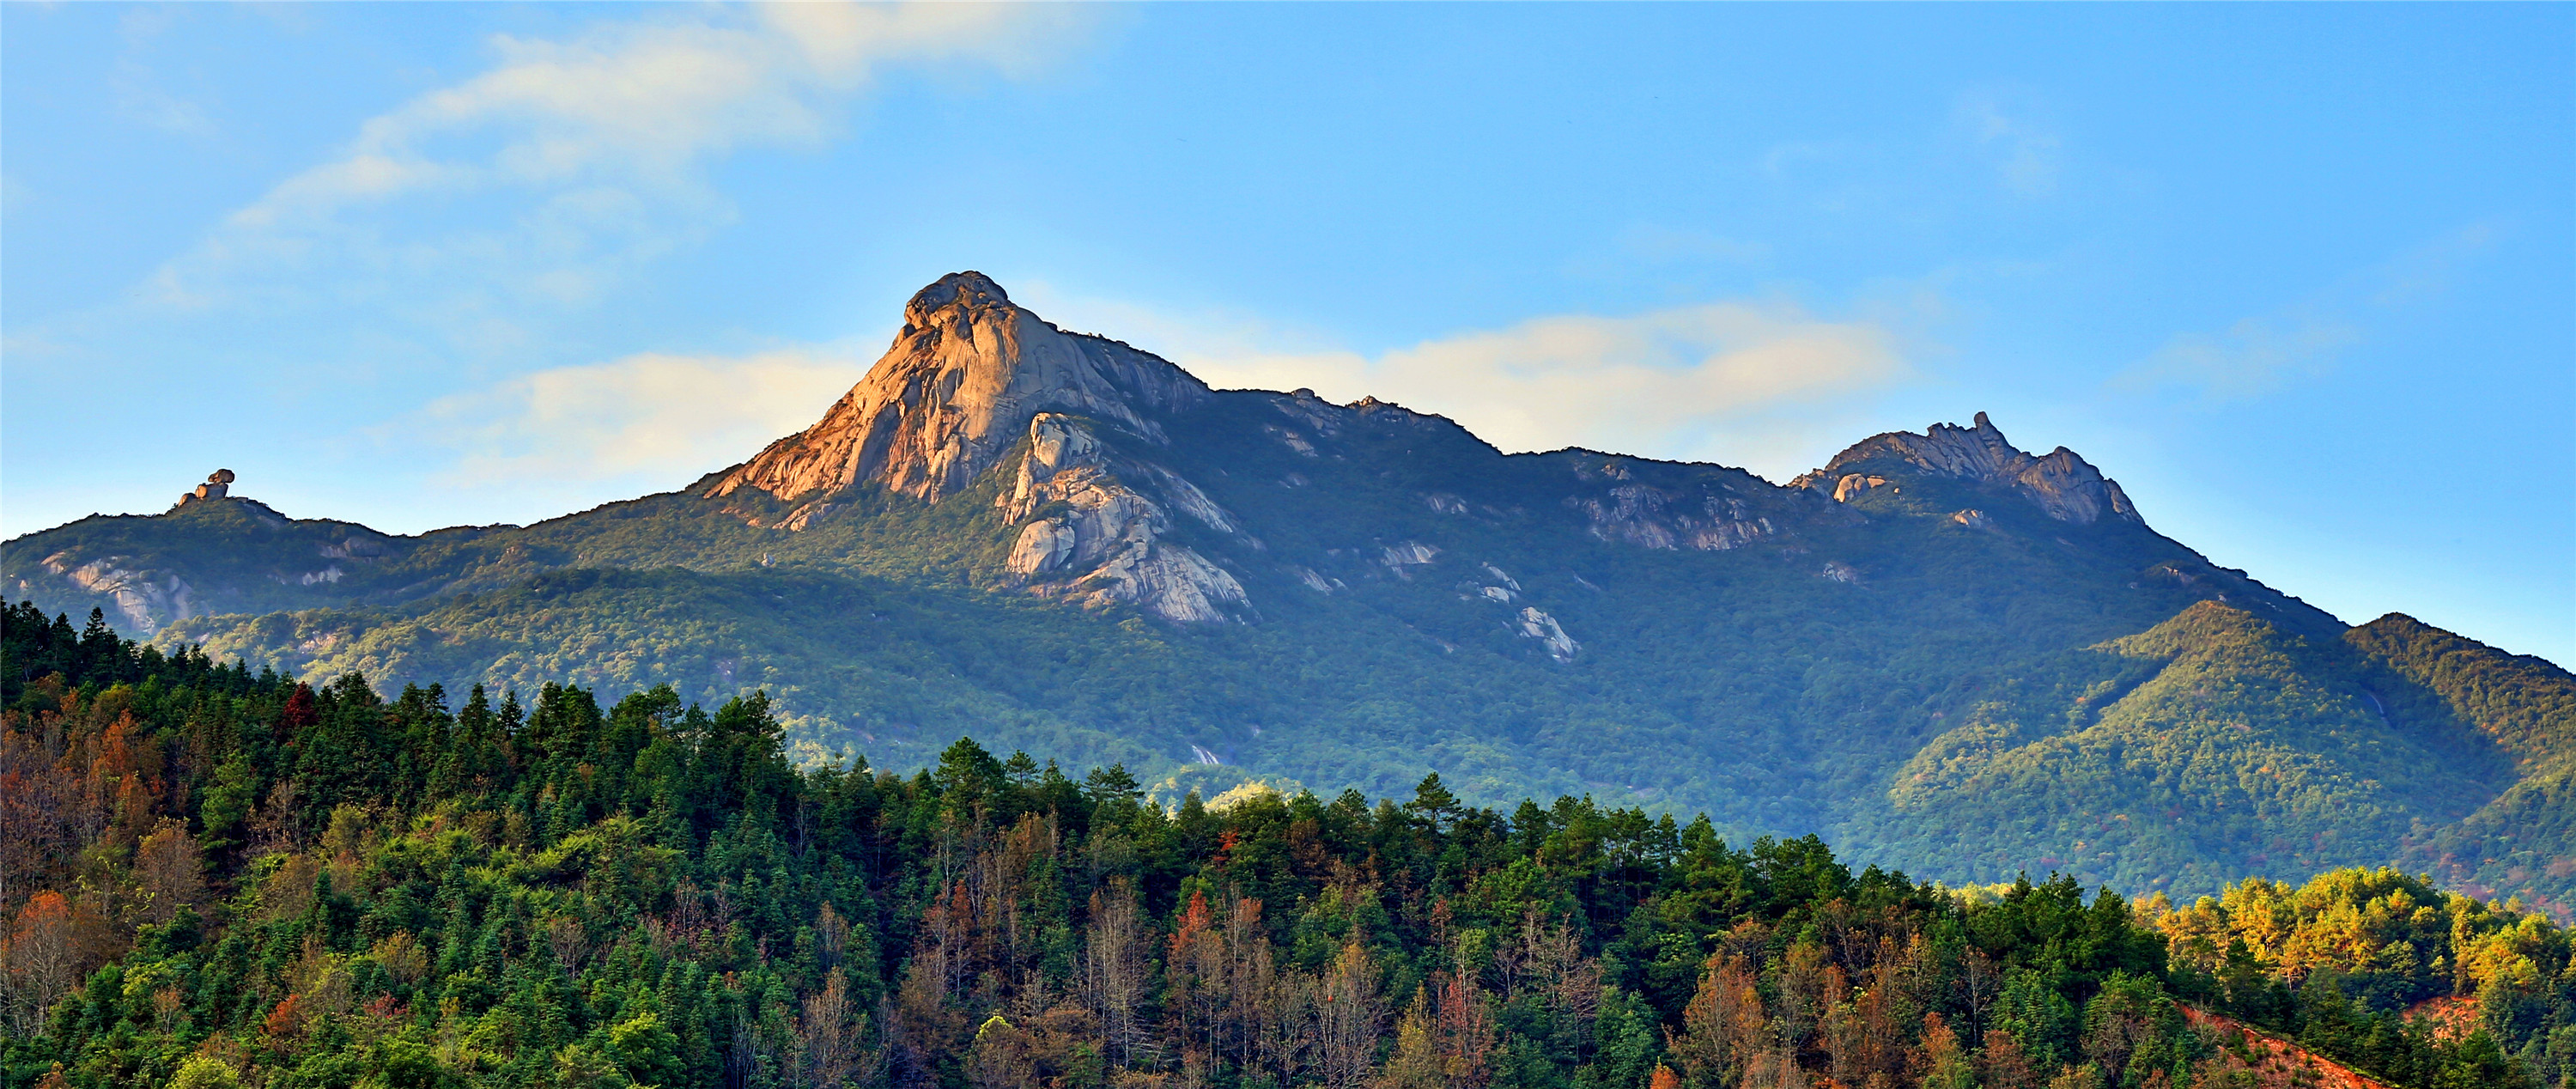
{"type": "Point", "coordinates": [2303, 278]}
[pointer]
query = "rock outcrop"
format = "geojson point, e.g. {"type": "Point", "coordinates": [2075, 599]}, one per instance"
{"type": "Point", "coordinates": [1100, 542]}
{"type": "Point", "coordinates": [1535, 623]}
{"type": "Point", "coordinates": [1652, 517]}
{"type": "Point", "coordinates": [1853, 484]}
{"type": "Point", "coordinates": [1666, 506]}
{"type": "Point", "coordinates": [217, 485]}
{"type": "Point", "coordinates": [2060, 482]}
{"type": "Point", "coordinates": [1403, 554]}
{"type": "Point", "coordinates": [148, 600]}
{"type": "Point", "coordinates": [953, 393]}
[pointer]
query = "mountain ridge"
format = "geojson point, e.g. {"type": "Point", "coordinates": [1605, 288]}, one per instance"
{"type": "Point", "coordinates": [1059, 542]}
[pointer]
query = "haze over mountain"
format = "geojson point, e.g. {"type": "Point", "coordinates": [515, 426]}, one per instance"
{"type": "Point", "coordinates": [1939, 651]}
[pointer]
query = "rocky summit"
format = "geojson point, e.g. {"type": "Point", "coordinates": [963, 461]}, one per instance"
{"type": "Point", "coordinates": [1939, 651]}
{"type": "Point", "coordinates": [962, 381]}
{"type": "Point", "coordinates": [2062, 483]}
{"type": "Point", "coordinates": [973, 380]}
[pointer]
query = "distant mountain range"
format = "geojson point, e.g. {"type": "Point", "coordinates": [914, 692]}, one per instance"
{"type": "Point", "coordinates": [1938, 651]}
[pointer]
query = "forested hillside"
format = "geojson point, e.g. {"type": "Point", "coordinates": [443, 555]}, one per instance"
{"type": "Point", "coordinates": [2207, 747]}
{"type": "Point", "coordinates": [214, 877]}
{"type": "Point", "coordinates": [2517, 843]}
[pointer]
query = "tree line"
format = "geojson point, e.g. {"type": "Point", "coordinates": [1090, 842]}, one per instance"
{"type": "Point", "coordinates": [212, 877]}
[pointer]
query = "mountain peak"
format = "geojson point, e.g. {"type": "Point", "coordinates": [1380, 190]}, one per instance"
{"type": "Point", "coordinates": [963, 291]}
{"type": "Point", "coordinates": [958, 386]}
{"type": "Point", "coordinates": [2061, 482]}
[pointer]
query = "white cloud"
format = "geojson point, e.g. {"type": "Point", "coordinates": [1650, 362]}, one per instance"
{"type": "Point", "coordinates": [645, 416]}
{"type": "Point", "coordinates": [1655, 383]}
{"type": "Point", "coordinates": [1769, 376]}
{"type": "Point", "coordinates": [646, 101]}
{"type": "Point", "coordinates": [546, 179]}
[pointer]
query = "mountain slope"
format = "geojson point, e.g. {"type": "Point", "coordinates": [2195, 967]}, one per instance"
{"type": "Point", "coordinates": [2518, 843]}
{"type": "Point", "coordinates": [1058, 542]}
{"type": "Point", "coordinates": [2211, 744]}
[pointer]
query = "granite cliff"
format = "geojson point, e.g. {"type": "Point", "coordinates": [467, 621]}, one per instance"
{"type": "Point", "coordinates": [1100, 541]}
{"type": "Point", "coordinates": [953, 393]}
{"type": "Point", "coordinates": [971, 374]}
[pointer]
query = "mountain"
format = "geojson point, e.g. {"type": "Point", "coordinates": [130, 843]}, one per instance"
{"type": "Point", "coordinates": [1939, 651]}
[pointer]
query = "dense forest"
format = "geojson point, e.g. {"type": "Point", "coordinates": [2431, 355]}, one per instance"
{"type": "Point", "coordinates": [214, 877]}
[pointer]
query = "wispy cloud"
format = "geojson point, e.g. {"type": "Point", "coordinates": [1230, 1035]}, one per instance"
{"type": "Point", "coordinates": [1653, 382]}
{"type": "Point", "coordinates": [545, 180]}
{"type": "Point", "coordinates": [650, 417]}
{"type": "Point", "coordinates": [134, 86]}
{"type": "Point", "coordinates": [2253, 356]}
{"type": "Point", "coordinates": [2260, 353]}
{"type": "Point", "coordinates": [1792, 161]}
{"type": "Point", "coordinates": [2013, 128]}
{"type": "Point", "coordinates": [1656, 243]}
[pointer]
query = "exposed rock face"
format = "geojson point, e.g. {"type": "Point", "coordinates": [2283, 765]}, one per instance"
{"type": "Point", "coordinates": [1405, 554]}
{"type": "Point", "coordinates": [1855, 484]}
{"type": "Point", "coordinates": [1651, 517]}
{"type": "Point", "coordinates": [1058, 446]}
{"type": "Point", "coordinates": [1170, 581]}
{"type": "Point", "coordinates": [951, 395]}
{"type": "Point", "coordinates": [1101, 543]}
{"type": "Point", "coordinates": [1493, 586]}
{"type": "Point", "coordinates": [148, 599]}
{"type": "Point", "coordinates": [353, 547]}
{"type": "Point", "coordinates": [1536, 624]}
{"type": "Point", "coordinates": [2060, 482]}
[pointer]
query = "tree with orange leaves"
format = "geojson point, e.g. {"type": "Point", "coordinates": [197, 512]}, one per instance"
{"type": "Point", "coordinates": [43, 955]}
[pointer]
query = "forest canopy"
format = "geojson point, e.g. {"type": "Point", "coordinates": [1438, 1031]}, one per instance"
{"type": "Point", "coordinates": [213, 877]}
